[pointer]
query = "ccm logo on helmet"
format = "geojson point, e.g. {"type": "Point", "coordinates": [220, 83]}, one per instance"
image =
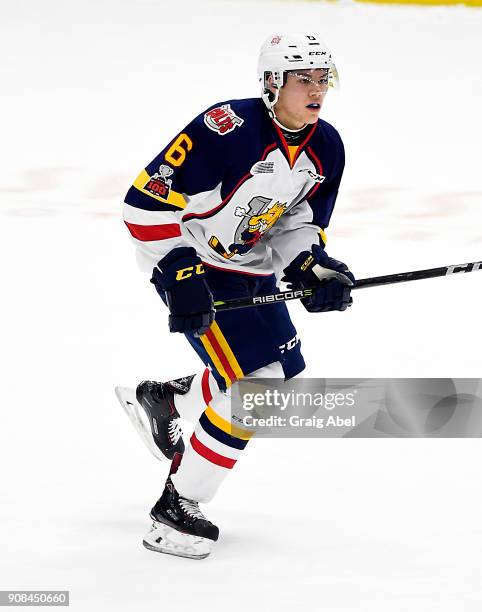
{"type": "Point", "coordinates": [222, 119]}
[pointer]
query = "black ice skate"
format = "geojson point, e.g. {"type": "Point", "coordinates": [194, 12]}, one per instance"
{"type": "Point", "coordinates": [179, 527]}
{"type": "Point", "coordinates": [152, 411]}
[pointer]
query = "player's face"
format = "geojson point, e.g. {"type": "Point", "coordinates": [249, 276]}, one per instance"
{"type": "Point", "coordinates": [301, 98]}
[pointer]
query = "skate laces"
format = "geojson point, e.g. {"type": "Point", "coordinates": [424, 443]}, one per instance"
{"type": "Point", "coordinates": [174, 430]}
{"type": "Point", "coordinates": [191, 508]}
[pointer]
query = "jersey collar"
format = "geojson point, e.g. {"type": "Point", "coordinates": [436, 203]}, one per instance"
{"type": "Point", "coordinates": [283, 145]}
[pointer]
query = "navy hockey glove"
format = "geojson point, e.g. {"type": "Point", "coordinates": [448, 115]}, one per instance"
{"type": "Point", "coordinates": [180, 280]}
{"type": "Point", "coordinates": [332, 279]}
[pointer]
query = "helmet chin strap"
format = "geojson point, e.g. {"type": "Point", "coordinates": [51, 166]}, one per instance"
{"type": "Point", "coordinates": [270, 105]}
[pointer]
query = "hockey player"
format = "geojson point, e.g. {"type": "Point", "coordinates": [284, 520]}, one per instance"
{"type": "Point", "coordinates": [237, 201]}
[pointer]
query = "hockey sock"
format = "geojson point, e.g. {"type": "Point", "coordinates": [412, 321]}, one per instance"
{"type": "Point", "coordinates": [192, 404]}
{"type": "Point", "coordinates": [213, 450]}
{"type": "Point", "coordinates": [215, 445]}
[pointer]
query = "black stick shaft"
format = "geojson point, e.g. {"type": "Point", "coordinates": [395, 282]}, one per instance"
{"type": "Point", "coordinates": [375, 281]}
{"type": "Point", "coordinates": [403, 277]}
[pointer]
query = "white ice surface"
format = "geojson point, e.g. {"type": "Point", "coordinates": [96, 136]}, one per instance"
{"type": "Point", "coordinates": [90, 92]}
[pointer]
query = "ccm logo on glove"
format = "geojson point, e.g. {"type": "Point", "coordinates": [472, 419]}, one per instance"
{"type": "Point", "coordinates": [306, 263]}
{"type": "Point", "coordinates": [180, 280]}
{"type": "Point", "coordinates": [330, 279]}
{"type": "Point", "coordinates": [188, 272]}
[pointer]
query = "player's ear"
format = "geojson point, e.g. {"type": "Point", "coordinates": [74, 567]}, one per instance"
{"type": "Point", "coordinates": [270, 83]}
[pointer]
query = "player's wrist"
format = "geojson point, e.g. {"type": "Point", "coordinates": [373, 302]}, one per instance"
{"type": "Point", "coordinates": [299, 272]}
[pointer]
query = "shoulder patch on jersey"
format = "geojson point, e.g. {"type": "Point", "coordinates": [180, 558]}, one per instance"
{"type": "Point", "coordinates": [222, 119]}
{"type": "Point", "coordinates": [159, 184]}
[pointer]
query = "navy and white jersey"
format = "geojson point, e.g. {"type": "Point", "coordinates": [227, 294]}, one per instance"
{"type": "Point", "coordinates": [232, 187]}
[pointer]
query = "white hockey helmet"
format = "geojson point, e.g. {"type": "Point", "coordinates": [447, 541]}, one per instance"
{"type": "Point", "coordinates": [281, 53]}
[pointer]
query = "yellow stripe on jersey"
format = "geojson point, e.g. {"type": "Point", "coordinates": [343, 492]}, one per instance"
{"type": "Point", "coordinates": [292, 150]}
{"type": "Point", "coordinates": [226, 426]}
{"type": "Point", "coordinates": [174, 198]}
{"type": "Point", "coordinates": [323, 237]}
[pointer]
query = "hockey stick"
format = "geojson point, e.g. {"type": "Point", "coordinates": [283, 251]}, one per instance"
{"type": "Point", "coordinates": [375, 281]}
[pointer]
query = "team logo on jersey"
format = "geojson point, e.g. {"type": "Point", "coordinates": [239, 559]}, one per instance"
{"type": "Point", "coordinates": [263, 167]}
{"type": "Point", "coordinates": [222, 119]}
{"type": "Point", "coordinates": [159, 184]}
{"type": "Point", "coordinates": [257, 219]}
{"type": "Point", "coordinates": [318, 178]}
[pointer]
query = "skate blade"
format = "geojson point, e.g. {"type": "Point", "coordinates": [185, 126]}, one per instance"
{"type": "Point", "coordinates": [138, 418]}
{"type": "Point", "coordinates": [165, 539]}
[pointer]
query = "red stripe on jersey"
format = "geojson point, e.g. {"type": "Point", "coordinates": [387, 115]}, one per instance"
{"type": "Point", "coordinates": [210, 455]}
{"type": "Point", "coordinates": [154, 232]}
{"type": "Point", "coordinates": [214, 210]}
{"type": "Point", "coordinates": [211, 212]}
{"type": "Point", "coordinates": [284, 143]}
{"type": "Point", "coordinates": [222, 357]}
{"type": "Point", "coordinates": [269, 148]}
{"type": "Point", "coordinates": [207, 395]}
{"type": "Point", "coordinates": [317, 161]}
{"type": "Point", "coordinates": [302, 145]}
{"type": "Point", "coordinates": [319, 167]}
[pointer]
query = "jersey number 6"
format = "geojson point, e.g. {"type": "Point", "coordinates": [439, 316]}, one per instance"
{"type": "Point", "coordinates": [176, 154]}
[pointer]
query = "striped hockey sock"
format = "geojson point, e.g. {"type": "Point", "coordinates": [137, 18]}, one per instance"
{"type": "Point", "coordinates": [214, 447]}
{"type": "Point", "coordinates": [191, 405]}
